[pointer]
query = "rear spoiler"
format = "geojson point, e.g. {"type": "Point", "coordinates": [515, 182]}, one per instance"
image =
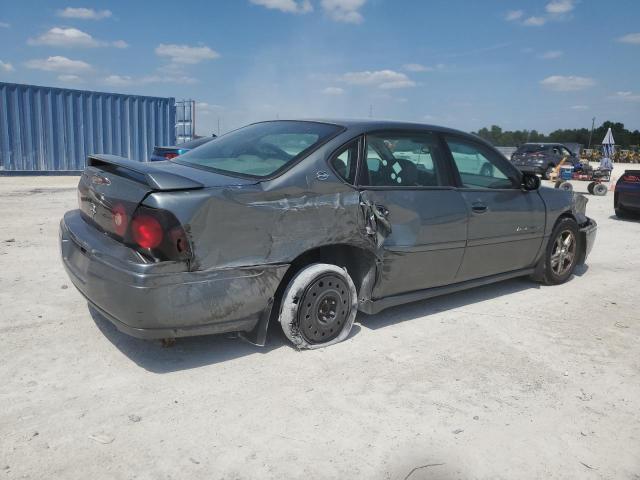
{"type": "Point", "coordinates": [144, 172]}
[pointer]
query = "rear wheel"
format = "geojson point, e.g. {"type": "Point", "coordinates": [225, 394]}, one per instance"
{"type": "Point", "coordinates": [590, 187]}
{"type": "Point", "coordinates": [562, 252]}
{"type": "Point", "coordinates": [319, 306]}
{"type": "Point", "coordinates": [600, 189]}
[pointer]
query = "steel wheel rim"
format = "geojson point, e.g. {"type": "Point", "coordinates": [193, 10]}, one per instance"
{"type": "Point", "coordinates": [324, 308]}
{"type": "Point", "coordinates": [563, 253]}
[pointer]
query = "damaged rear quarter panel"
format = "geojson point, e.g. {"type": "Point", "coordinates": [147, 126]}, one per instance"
{"type": "Point", "coordinates": [270, 222]}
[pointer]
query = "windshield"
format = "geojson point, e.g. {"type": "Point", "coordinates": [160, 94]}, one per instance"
{"type": "Point", "coordinates": [261, 149]}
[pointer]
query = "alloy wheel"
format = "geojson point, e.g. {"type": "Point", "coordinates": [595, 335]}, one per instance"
{"type": "Point", "coordinates": [564, 253]}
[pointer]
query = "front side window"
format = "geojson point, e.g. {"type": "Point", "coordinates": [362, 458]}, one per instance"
{"type": "Point", "coordinates": [479, 167]}
{"type": "Point", "coordinates": [261, 149]}
{"type": "Point", "coordinates": [402, 160]}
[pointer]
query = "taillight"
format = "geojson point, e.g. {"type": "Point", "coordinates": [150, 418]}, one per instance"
{"type": "Point", "coordinates": [158, 234]}
{"type": "Point", "coordinates": [170, 155]}
{"type": "Point", "coordinates": [146, 231]}
{"type": "Point", "coordinates": [631, 178]}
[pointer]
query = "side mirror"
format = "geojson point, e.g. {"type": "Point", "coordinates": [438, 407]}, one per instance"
{"type": "Point", "coordinates": [530, 181]}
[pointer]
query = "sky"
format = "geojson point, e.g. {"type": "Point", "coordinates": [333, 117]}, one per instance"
{"type": "Point", "coordinates": [520, 64]}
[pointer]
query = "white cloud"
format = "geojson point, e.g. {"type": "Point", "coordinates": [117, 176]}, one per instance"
{"type": "Point", "coordinates": [560, 7]}
{"type": "Point", "coordinates": [125, 80]}
{"type": "Point", "coordinates": [84, 13]}
{"type": "Point", "coordinates": [185, 54]}
{"type": "Point", "coordinates": [346, 11]}
{"type": "Point", "coordinates": [551, 54]}
{"type": "Point", "coordinates": [385, 79]}
{"type": "Point", "coordinates": [287, 6]}
{"type": "Point", "coordinates": [70, 78]}
{"type": "Point", "coordinates": [571, 83]}
{"type": "Point", "coordinates": [627, 96]}
{"type": "Point", "coordinates": [333, 91]}
{"type": "Point", "coordinates": [4, 25]}
{"type": "Point", "coordinates": [633, 38]}
{"type": "Point", "coordinates": [118, 80]}
{"type": "Point", "coordinates": [6, 67]}
{"type": "Point", "coordinates": [534, 21]}
{"type": "Point", "coordinates": [416, 67]}
{"type": "Point", "coordinates": [579, 107]}
{"type": "Point", "coordinates": [72, 37]}
{"type": "Point", "coordinates": [513, 15]}
{"type": "Point", "coordinates": [59, 64]}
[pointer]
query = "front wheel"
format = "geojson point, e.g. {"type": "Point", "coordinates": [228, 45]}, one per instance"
{"type": "Point", "coordinates": [319, 306]}
{"type": "Point", "coordinates": [562, 252]}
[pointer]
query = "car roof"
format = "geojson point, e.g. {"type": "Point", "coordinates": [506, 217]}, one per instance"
{"type": "Point", "coordinates": [365, 125]}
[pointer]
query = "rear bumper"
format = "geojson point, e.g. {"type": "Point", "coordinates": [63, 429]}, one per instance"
{"type": "Point", "coordinates": [160, 300]}
{"type": "Point", "coordinates": [587, 235]}
{"type": "Point", "coordinates": [628, 198]}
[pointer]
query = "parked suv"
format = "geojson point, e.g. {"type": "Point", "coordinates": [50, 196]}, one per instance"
{"type": "Point", "coordinates": [542, 158]}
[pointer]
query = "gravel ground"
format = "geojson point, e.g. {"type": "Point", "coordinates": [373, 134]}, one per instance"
{"type": "Point", "coordinates": [513, 380]}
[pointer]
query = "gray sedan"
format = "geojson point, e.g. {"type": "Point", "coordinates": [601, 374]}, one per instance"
{"type": "Point", "coordinates": [306, 223]}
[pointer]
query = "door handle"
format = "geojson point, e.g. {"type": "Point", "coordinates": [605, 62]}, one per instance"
{"type": "Point", "coordinates": [479, 207]}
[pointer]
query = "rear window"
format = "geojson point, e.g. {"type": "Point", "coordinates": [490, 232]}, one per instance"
{"type": "Point", "coordinates": [261, 149]}
{"type": "Point", "coordinates": [531, 148]}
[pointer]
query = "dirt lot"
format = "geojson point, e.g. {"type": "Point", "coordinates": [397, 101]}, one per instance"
{"type": "Point", "coordinates": [508, 381]}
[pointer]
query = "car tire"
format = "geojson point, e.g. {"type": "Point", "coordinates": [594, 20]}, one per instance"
{"type": "Point", "coordinates": [599, 189]}
{"type": "Point", "coordinates": [620, 213]}
{"type": "Point", "coordinates": [590, 187]}
{"type": "Point", "coordinates": [566, 186]}
{"type": "Point", "coordinates": [319, 306]}
{"type": "Point", "coordinates": [547, 173]}
{"type": "Point", "coordinates": [561, 255]}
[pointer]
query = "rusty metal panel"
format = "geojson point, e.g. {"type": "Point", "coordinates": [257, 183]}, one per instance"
{"type": "Point", "coordinates": [45, 129]}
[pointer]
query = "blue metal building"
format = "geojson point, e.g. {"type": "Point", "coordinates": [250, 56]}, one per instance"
{"type": "Point", "coordinates": [44, 129]}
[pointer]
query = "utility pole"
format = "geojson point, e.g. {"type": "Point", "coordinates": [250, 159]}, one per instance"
{"type": "Point", "coordinates": [593, 124]}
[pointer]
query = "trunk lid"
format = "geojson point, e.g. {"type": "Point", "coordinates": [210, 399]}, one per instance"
{"type": "Point", "coordinates": [111, 188]}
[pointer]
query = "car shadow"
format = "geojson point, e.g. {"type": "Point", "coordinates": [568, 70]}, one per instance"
{"type": "Point", "coordinates": [189, 352]}
{"type": "Point", "coordinates": [444, 303]}
{"type": "Point", "coordinates": [630, 218]}
{"type": "Point", "coordinates": [194, 352]}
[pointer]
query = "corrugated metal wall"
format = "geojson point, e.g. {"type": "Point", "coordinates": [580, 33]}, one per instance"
{"type": "Point", "coordinates": [54, 129]}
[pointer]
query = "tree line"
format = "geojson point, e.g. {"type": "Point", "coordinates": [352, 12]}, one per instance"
{"type": "Point", "coordinates": [624, 138]}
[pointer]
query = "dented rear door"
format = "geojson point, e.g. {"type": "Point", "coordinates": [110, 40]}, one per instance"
{"type": "Point", "coordinates": [407, 189]}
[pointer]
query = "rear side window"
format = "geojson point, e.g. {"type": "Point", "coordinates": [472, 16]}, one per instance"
{"type": "Point", "coordinates": [479, 166]}
{"type": "Point", "coordinates": [261, 149]}
{"type": "Point", "coordinates": [345, 162]}
{"type": "Point", "coordinates": [402, 160]}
